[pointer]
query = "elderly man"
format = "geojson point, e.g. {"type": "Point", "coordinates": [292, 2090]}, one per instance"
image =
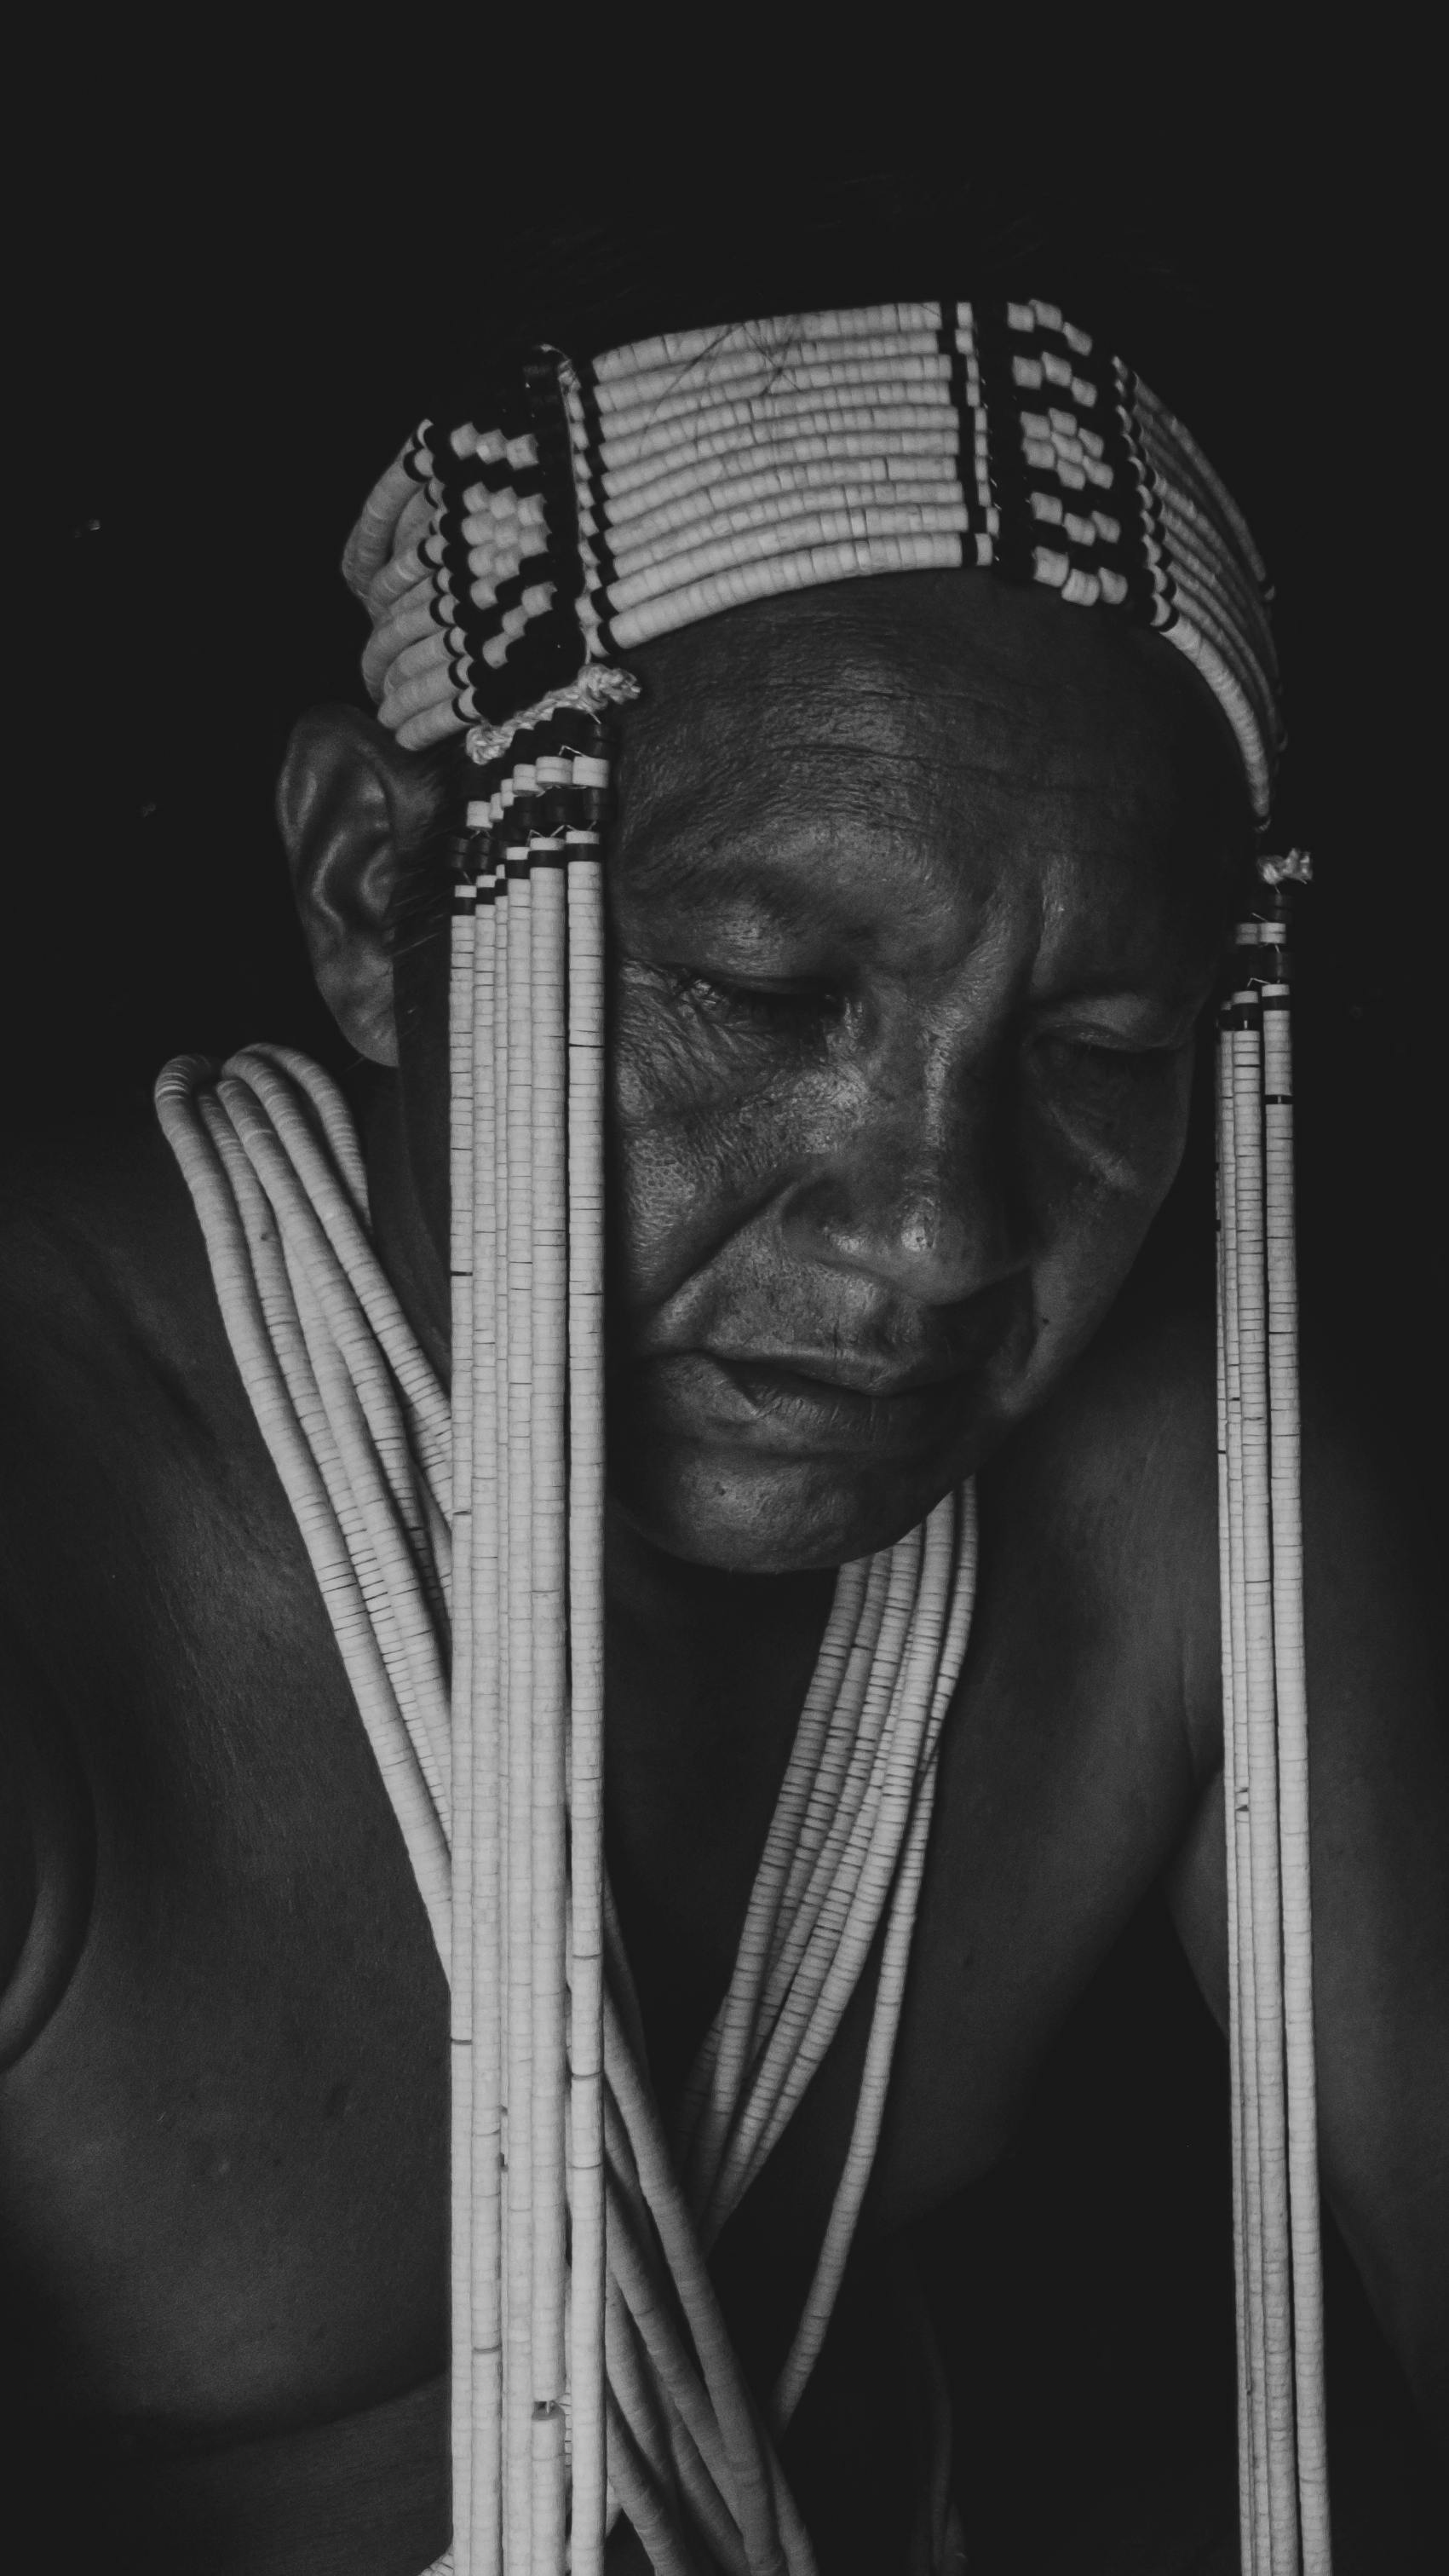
{"type": "Point", "coordinates": [917, 884]}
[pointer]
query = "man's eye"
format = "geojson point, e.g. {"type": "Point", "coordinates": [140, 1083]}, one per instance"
{"type": "Point", "coordinates": [1098, 1072]}
{"type": "Point", "coordinates": [780, 1005]}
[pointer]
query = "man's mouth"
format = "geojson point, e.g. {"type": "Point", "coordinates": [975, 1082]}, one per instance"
{"type": "Point", "coordinates": [803, 1402]}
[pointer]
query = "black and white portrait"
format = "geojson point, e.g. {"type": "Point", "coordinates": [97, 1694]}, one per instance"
{"type": "Point", "coordinates": [724, 1808]}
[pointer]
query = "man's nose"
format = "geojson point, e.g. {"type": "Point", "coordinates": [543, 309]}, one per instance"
{"type": "Point", "coordinates": [916, 1188]}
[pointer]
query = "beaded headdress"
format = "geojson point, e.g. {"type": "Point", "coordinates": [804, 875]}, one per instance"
{"type": "Point", "coordinates": [509, 564]}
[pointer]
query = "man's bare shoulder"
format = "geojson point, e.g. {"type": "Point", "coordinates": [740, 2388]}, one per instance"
{"type": "Point", "coordinates": [119, 1406]}
{"type": "Point", "coordinates": [99, 1246]}
{"type": "Point", "coordinates": [1105, 1501]}
{"type": "Point", "coordinates": [157, 1610]}
{"type": "Point", "coordinates": [1100, 1516]}
{"type": "Point", "coordinates": [1069, 1769]}
{"type": "Point", "coordinates": [1141, 1393]}
{"type": "Point", "coordinates": [119, 1396]}
{"type": "Point", "coordinates": [1082, 1761]}
{"type": "Point", "coordinates": [93, 1293]}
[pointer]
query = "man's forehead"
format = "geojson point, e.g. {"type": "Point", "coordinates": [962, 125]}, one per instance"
{"type": "Point", "coordinates": [896, 696]}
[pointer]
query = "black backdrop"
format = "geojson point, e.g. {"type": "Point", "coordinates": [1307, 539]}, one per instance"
{"type": "Point", "coordinates": [223, 357]}
{"type": "Point", "coordinates": [232, 324]}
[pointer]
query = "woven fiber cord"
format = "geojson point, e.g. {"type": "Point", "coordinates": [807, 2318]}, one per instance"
{"type": "Point", "coordinates": [505, 568]}
{"type": "Point", "coordinates": [604, 2248]}
{"type": "Point", "coordinates": [352, 1422]}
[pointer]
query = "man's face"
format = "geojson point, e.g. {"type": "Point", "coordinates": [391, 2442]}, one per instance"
{"type": "Point", "coordinates": [916, 889]}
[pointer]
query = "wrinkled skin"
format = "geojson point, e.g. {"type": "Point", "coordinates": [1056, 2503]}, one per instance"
{"type": "Point", "coordinates": [917, 888]}
{"type": "Point", "coordinates": [915, 903]}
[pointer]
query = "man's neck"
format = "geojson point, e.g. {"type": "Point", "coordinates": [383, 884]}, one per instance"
{"type": "Point", "coordinates": [708, 1670]}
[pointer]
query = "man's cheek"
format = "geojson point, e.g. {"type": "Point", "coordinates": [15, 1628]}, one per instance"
{"type": "Point", "coordinates": [657, 1190]}
{"type": "Point", "coordinates": [685, 1180]}
{"type": "Point", "coordinates": [681, 1188]}
{"type": "Point", "coordinates": [1083, 1262]}
{"type": "Point", "coordinates": [1098, 1183]}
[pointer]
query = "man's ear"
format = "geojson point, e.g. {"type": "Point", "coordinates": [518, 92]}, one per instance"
{"type": "Point", "coordinates": [349, 804]}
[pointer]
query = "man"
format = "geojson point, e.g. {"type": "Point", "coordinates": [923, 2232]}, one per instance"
{"type": "Point", "coordinates": [918, 886]}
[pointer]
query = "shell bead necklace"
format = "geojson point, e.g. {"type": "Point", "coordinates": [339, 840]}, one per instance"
{"type": "Point", "coordinates": [505, 569]}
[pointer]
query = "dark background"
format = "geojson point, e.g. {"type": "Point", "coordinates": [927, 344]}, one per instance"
{"type": "Point", "coordinates": [231, 335]}
{"type": "Point", "coordinates": [237, 300]}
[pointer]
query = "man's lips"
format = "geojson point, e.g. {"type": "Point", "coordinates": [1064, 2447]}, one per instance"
{"type": "Point", "coordinates": [801, 1401]}
{"type": "Point", "coordinates": [840, 1371]}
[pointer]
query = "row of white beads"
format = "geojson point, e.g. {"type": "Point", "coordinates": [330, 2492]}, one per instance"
{"type": "Point", "coordinates": [1282, 2460]}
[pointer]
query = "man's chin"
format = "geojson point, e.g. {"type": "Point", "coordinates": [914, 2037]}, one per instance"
{"type": "Point", "coordinates": [747, 1512]}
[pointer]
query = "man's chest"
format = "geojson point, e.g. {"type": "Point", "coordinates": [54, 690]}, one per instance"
{"type": "Point", "coordinates": [220, 2161]}
{"type": "Point", "coordinates": [225, 2160]}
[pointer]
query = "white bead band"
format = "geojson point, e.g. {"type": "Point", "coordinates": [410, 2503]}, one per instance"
{"type": "Point", "coordinates": [691, 473]}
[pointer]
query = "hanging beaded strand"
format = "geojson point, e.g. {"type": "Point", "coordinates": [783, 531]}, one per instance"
{"type": "Point", "coordinates": [1266, 2039]}
{"type": "Point", "coordinates": [688, 2455]}
{"type": "Point", "coordinates": [503, 567]}
{"type": "Point", "coordinates": [588, 781]}
{"type": "Point", "coordinates": [470, 2212]}
{"type": "Point", "coordinates": [1252, 2489]}
{"type": "Point", "coordinates": [1290, 1677]}
{"type": "Point", "coordinates": [479, 1715]}
{"type": "Point", "coordinates": [503, 571]}
{"type": "Point", "coordinates": [527, 815]}
{"type": "Point", "coordinates": [534, 989]}
{"type": "Point", "coordinates": [1282, 2458]}
{"type": "Point", "coordinates": [548, 1610]}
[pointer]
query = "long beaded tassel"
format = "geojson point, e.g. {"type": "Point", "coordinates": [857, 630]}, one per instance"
{"type": "Point", "coordinates": [1282, 2462]}
{"type": "Point", "coordinates": [527, 1931]}
{"type": "Point", "coordinates": [591, 2366]}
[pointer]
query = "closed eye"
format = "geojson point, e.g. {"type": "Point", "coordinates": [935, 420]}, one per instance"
{"type": "Point", "coordinates": [762, 1002]}
{"type": "Point", "coordinates": [1095, 1050]}
{"type": "Point", "coordinates": [1101, 1073]}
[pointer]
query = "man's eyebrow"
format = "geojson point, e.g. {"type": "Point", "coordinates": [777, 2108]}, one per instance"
{"type": "Point", "coordinates": [1182, 997]}
{"type": "Point", "coordinates": [1181, 991]}
{"type": "Point", "coordinates": [668, 868]}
